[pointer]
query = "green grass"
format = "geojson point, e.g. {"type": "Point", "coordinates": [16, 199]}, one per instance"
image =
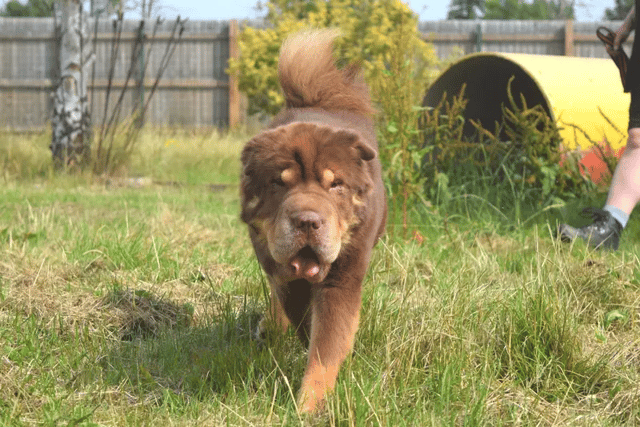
{"type": "Point", "coordinates": [132, 304]}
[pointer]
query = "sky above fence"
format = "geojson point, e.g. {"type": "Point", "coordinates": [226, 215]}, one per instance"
{"type": "Point", "coordinates": [429, 10]}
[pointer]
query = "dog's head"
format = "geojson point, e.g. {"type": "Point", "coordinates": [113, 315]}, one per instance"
{"type": "Point", "coordinates": [304, 190]}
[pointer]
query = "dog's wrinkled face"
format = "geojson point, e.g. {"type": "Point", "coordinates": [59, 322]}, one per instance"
{"type": "Point", "coordinates": [304, 189]}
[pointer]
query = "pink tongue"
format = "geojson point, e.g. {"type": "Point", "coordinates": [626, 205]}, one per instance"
{"type": "Point", "coordinates": [305, 268]}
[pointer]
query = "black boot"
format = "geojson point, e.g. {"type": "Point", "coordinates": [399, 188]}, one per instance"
{"type": "Point", "coordinates": [603, 232]}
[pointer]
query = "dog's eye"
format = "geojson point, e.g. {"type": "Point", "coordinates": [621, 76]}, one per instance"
{"type": "Point", "coordinates": [278, 182]}
{"type": "Point", "coordinates": [337, 183]}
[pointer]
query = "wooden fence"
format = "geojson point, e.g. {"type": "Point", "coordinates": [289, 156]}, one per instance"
{"type": "Point", "coordinates": [195, 91]}
{"type": "Point", "coordinates": [535, 37]}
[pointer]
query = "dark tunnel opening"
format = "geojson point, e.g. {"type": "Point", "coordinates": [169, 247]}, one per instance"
{"type": "Point", "coordinates": [486, 79]}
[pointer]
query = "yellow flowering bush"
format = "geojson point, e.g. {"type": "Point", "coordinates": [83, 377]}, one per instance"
{"type": "Point", "coordinates": [370, 29]}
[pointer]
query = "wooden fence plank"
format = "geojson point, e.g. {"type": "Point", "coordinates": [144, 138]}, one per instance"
{"type": "Point", "coordinates": [569, 38]}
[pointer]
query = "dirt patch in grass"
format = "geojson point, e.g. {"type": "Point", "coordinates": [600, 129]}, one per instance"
{"type": "Point", "coordinates": [144, 315]}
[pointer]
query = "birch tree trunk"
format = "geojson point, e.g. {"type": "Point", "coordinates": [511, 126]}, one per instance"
{"type": "Point", "coordinates": [71, 122]}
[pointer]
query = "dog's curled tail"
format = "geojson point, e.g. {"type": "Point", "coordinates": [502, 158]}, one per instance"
{"type": "Point", "coordinates": [310, 78]}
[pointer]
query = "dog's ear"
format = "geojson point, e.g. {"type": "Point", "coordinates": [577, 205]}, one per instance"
{"type": "Point", "coordinates": [252, 152]}
{"type": "Point", "coordinates": [247, 158]}
{"type": "Point", "coordinates": [260, 147]}
{"type": "Point", "coordinates": [251, 186]}
{"type": "Point", "coordinates": [362, 149]}
{"type": "Point", "coordinates": [365, 151]}
{"type": "Point", "coordinates": [256, 158]}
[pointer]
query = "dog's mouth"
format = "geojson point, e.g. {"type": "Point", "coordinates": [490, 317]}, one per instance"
{"type": "Point", "coordinates": [306, 265]}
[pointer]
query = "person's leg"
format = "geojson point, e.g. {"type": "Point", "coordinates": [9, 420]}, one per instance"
{"type": "Point", "coordinates": [624, 192]}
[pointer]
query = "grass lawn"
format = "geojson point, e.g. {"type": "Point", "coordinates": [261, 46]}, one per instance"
{"type": "Point", "coordinates": [132, 301]}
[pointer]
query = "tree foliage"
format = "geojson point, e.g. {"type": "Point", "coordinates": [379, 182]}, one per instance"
{"type": "Point", "coordinates": [32, 8]}
{"type": "Point", "coordinates": [619, 11]}
{"type": "Point", "coordinates": [465, 9]}
{"type": "Point", "coordinates": [536, 9]}
{"type": "Point", "coordinates": [369, 28]}
{"type": "Point", "coordinates": [512, 9]}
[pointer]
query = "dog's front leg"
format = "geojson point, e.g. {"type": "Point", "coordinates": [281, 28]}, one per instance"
{"type": "Point", "coordinates": [334, 320]}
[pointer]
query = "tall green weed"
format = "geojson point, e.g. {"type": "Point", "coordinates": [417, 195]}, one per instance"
{"type": "Point", "coordinates": [519, 165]}
{"type": "Point", "coordinates": [398, 88]}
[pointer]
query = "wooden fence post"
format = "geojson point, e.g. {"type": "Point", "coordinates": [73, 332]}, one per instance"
{"type": "Point", "coordinates": [234, 92]}
{"type": "Point", "coordinates": [479, 37]}
{"type": "Point", "coordinates": [569, 38]}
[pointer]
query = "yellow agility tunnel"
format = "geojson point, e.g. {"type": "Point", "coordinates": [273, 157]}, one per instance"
{"type": "Point", "coordinates": [573, 91]}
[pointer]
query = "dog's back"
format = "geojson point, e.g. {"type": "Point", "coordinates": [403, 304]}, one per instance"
{"type": "Point", "coordinates": [309, 76]}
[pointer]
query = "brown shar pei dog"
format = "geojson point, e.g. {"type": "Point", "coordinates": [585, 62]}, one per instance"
{"type": "Point", "coordinates": [313, 198]}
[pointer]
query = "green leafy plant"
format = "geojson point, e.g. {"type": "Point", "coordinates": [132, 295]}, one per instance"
{"type": "Point", "coordinates": [399, 88]}
{"type": "Point", "coordinates": [532, 153]}
{"type": "Point", "coordinates": [523, 155]}
{"type": "Point", "coordinates": [443, 131]}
